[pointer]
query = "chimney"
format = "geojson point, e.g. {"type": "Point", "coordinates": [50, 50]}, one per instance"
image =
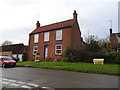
{"type": "Point", "coordinates": [37, 24]}
{"type": "Point", "coordinates": [110, 31]}
{"type": "Point", "coordinates": [75, 15]}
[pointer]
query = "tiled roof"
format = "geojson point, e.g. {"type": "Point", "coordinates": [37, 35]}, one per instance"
{"type": "Point", "coordinates": [54, 26]}
{"type": "Point", "coordinates": [15, 48]}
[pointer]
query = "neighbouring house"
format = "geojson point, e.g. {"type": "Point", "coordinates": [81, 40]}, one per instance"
{"type": "Point", "coordinates": [51, 41]}
{"type": "Point", "coordinates": [114, 41]}
{"type": "Point", "coordinates": [8, 53]}
{"type": "Point", "coordinates": [15, 50]}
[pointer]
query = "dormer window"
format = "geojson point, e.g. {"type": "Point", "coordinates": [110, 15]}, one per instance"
{"type": "Point", "coordinates": [59, 34]}
{"type": "Point", "coordinates": [36, 36]}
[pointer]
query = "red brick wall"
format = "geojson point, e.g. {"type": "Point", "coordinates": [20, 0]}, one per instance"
{"type": "Point", "coordinates": [9, 53]}
{"type": "Point", "coordinates": [66, 41]}
{"type": "Point", "coordinates": [113, 43]}
{"type": "Point", "coordinates": [76, 36]}
{"type": "Point", "coordinates": [30, 47]}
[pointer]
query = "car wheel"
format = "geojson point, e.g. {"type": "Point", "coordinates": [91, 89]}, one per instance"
{"type": "Point", "coordinates": [15, 65]}
{"type": "Point", "coordinates": [3, 65]}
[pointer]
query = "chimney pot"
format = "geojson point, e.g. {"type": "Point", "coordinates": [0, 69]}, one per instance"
{"type": "Point", "coordinates": [37, 24]}
{"type": "Point", "coordinates": [110, 31]}
{"type": "Point", "coordinates": [75, 15]}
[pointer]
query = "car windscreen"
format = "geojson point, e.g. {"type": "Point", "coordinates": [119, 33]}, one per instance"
{"type": "Point", "coordinates": [7, 58]}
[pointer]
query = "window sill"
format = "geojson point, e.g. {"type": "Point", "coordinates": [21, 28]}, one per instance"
{"type": "Point", "coordinates": [46, 41]}
{"type": "Point", "coordinates": [35, 42]}
{"type": "Point", "coordinates": [58, 40]}
{"type": "Point", "coordinates": [58, 54]}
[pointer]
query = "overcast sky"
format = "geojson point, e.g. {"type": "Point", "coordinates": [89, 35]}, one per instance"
{"type": "Point", "coordinates": [18, 17]}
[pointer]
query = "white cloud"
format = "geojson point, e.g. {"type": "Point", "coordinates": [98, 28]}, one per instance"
{"type": "Point", "coordinates": [18, 17]}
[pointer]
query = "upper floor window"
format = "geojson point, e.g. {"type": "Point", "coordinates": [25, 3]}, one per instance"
{"type": "Point", "coordinates": [59, 34]}
{"type": "Point", "coordinates": [36, 36]}
{"type": "Point", "coordinates": [46, 36]}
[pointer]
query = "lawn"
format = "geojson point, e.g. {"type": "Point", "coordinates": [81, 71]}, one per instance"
{"type": "Point", "coordinates": [79, 67]}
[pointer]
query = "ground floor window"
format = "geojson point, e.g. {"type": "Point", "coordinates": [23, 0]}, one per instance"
{"type": "Point", "coordinates": [58, 49]}
{"type": "Point", "coordinates": [118, 49]}
{"type": "Point", "coordinates": [35, 50]}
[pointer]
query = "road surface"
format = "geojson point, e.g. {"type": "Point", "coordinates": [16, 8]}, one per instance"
{"type": "Point", "coordinates": [25, 77]}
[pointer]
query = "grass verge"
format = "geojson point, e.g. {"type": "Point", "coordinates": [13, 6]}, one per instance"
{"type": "Point", "coordinates": [111, 69]}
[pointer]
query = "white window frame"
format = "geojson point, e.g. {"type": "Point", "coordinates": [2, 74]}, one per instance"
{"type": "Point", "coordinates": [36, 37]}
{"type": "Point", "coordinates": [46, 36]}
{"type": "Point", "coordinates": [59, 34]}
{"type": "Point", "coordinates": [58, 49]}
{"type": "Point", "coordinates": [118, 49]}
{"type": "Point", "coordinates": [118, 38]}
{"type": "Point", "coordinates": [34, 50]}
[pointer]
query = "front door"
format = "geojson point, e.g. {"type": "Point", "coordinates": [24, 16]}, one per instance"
{"type": "Point", "coordinates": [45, 51]}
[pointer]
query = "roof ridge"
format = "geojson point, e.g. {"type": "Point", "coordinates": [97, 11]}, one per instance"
{"type": "Point", "coordinates": [53, 26]}
{"type": "Point", "coordinates": [13, 44]}
{"type": "Point", "coordinates": [57, 22]}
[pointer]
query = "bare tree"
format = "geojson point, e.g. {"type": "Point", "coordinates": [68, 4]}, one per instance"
{"type": "Point", "coordinates": [91, 38]}
{"type": "Point", "coordinates": [6, 42]}
{"type": "Point", "coordinates": [105, 44]}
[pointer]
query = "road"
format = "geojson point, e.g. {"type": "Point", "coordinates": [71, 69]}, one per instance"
{"type": "Point", "coordinates": [24, 77]}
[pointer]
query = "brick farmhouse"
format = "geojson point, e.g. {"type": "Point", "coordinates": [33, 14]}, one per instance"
{"type": "Point", "coordinates": [114, 41]}
{"type": "Point", "coordinates": [51, 41]}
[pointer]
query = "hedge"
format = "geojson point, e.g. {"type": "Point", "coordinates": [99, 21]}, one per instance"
{"type": "Point", "coordinates": [82, 55]}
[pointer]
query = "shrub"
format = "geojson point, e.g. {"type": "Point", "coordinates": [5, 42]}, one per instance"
{"type": "Point", "coordinates": [69, 55]}
{"type": "Point", "coordinates": [83, 55]}
{"type": "Point", "coordinates": [109, 57]}
{"type": "Point", "coordinates": [112, 57]}
{"type": "Point", "coordinates": [93, 47]}
{"type": "Point", "coordinates": [24, 57]}
{"type": "Point", "coordinates": [72, 55]}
